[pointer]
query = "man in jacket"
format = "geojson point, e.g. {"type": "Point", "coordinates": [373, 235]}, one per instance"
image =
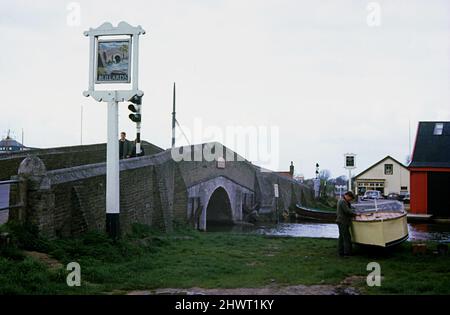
{"type": "Point", "coordinates": [125, 146]}
{"type": "Point", "coordinates": [344, 218]}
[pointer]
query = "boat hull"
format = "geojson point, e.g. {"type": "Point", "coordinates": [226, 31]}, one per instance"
{"type": "Point", "coordinates": [382, 233]}
{"type": "Point", "coordinates": [315, 215]}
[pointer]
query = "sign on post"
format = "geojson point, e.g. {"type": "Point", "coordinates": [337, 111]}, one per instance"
{"type": "Point", "coordinates": [350, 165]}
{"type": "Point", "coordinates": [275, 190]}
{"type": "Point", "coordinates": [113, 58]}
{"type": "Point", "coordinates": [350, 161]}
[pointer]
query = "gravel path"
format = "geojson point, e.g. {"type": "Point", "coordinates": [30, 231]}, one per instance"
{"type": "Point", "coordinates": [344, 288]}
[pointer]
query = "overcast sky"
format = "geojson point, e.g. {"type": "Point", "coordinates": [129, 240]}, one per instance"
{"type": "Point", "coordinates": [316, 71]}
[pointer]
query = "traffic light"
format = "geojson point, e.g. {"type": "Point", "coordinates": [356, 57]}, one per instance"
{"type": "Point", "coordinates": [135, 108]}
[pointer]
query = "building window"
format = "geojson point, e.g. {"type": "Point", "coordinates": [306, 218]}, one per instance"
{"type": "Point", "coordinates": [388, 169]}
{"type": "Point", "coordinates": [438, 129]}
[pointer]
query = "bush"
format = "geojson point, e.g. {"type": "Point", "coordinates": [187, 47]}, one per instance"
{"type": "Point", "coordinates": [26, 237]}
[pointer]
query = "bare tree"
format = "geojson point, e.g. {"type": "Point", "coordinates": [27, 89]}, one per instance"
{"type": "Point", "coordinates": [325, 175]}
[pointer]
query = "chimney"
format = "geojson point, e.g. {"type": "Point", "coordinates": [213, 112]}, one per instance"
{"type": "Point", "coordinates": [291, 169]}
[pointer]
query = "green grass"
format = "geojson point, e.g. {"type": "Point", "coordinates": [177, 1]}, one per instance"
{"type": "Point", "coordinates": [148, 259]}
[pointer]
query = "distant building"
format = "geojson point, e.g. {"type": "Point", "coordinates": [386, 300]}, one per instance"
{"type": "Point", "coordinates": [289, 174]}
{"type": "Point", "coordinates": [430, 170]}
{"type": "Point", "coordinates": [387, 176]}
{"type": "Point", "coordinates": [8, 145]}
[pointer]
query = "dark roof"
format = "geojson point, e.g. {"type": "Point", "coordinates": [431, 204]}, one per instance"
{"type": "Point", "coordinates": [9, 142]}
{"type": "Point", "coordinates": [431, 150]}
{"type": "Point", "coordinates": [379, 162]}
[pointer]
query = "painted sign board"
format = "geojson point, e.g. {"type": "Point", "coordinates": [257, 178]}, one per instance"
{"type": "Point", "coordinates": [113, 61]}
{"type": "Point", "coordinates": [350, 161]}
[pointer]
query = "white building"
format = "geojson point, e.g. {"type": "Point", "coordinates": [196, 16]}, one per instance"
{"type": "Point", "coordinates": [387, 176]}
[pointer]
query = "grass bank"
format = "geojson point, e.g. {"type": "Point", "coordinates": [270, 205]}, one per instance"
{"type": "Point", "coordinates": [147, 259]}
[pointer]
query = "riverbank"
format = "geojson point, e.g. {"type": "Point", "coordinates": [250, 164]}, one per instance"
{"type": "Point", "coordinates": [147, 261]}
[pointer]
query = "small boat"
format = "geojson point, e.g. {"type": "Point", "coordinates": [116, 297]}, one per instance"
{"type": "Point", "coordinates": [377, 227]}
{"type": "Point", "coordinates": [314, 214]}
{"type": "Point", "coordinates": [380, 228]}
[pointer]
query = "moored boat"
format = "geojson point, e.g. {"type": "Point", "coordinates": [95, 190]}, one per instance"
{"type": "Point", "coordinates": [380, 228]}
{"type": "Point", "coordinates": [314, 214]}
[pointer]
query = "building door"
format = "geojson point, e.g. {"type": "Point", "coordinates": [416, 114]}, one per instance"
{"type": "Point", "coordinates": [438, 199]}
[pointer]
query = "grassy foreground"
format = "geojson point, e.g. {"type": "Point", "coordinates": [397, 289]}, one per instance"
{"type": "Point", "coordinates": [146, 259]}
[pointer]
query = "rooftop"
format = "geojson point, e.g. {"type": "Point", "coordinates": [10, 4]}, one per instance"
{"type": "Point", "coordinates": [432, 146]}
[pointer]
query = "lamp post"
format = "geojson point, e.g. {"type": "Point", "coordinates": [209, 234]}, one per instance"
{"type": "Point", "coordinates": [317, 183]}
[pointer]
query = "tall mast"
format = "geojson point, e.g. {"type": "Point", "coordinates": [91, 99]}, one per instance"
{"type": "Point", "coordinates": [173, 118]}
{"type": "Point", "coordinates": [81, 126]}
{"type": "Point", "coordinates": [409, 138]}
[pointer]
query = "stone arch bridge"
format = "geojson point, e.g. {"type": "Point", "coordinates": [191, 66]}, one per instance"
{"type": "Point", "coordinates": [159, 190]}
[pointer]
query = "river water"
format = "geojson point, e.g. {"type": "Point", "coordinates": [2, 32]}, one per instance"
{"type": "Point", "coordinates": [417, 232]}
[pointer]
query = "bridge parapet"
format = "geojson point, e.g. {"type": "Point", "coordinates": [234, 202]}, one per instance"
{"type": "Point", "coordinates": [155, 190]}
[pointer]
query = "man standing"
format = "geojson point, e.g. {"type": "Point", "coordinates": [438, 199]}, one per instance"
{"type": "Point", "coordinates": [125, 146]}
{"type": "Point", "coordinates": [344, 218]}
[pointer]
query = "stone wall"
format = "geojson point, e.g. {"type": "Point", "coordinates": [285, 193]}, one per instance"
{"type": "Point", "coordinates": [71, 201]}
{"type": "Point", "coordinates": [154, 190]}
{"type": "Point", "coordinates": [63, 157]}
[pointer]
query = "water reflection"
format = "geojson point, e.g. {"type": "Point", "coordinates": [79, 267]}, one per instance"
{"type": "Point", "coordinates": [417, 232]}
{"type": "Point", "coordinates": [324, 230]}
{"type": "Point", "coordinates": [434, 232]}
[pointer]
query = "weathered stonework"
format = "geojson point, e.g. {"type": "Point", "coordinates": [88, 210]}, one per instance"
{"type": "Point", "coordinates": [62, 157]}
{"type": "Point", "coordinates": [154, 190]}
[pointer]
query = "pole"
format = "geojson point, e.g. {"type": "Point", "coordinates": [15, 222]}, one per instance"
{"type": "Point", "coordinates": [173, 118]}
{"type": "Point", "coordinates": [276, 210]}
{"type": "Point", "coordinates": [138, 131]}
{"type": "Point", "coordinates": [409, 140]}
{"type": "Point", "coordinates": [81, 126]}
{"type": "Point", "coordinates": [112, 172]}
{"type": "Point", "coordinates": [349, 180]}
{"type": "Point", "coordinates": [138, 138]}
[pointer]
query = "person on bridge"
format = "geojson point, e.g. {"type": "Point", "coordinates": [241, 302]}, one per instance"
{"type": "Point", "coordinates": [344, 215]}
{"type": "Point", "coordinates": [125, 146]}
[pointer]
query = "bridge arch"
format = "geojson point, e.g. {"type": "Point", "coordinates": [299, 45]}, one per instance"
{"type": "Point", "coordinates": [218, 209]}
{"type": "Point", "coordinates": [218, 192]}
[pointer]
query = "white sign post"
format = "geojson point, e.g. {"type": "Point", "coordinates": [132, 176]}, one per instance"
{"type": "Point", "coordinates": [276, 194]}
{"type": "Point", "coordinates": [113, 59]}
{"type": "Point", "coordinates": [350, 165]}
